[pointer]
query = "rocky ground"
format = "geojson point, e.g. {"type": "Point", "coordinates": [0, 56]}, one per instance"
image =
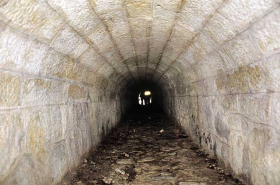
{"type": "Point", "coordinates": [149, 149]}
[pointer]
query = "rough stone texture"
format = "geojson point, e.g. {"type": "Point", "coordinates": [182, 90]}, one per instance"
{"type": "Point", "coordinates": [149, 149]}
{"type": "Point", "coordinates": [65, 64]}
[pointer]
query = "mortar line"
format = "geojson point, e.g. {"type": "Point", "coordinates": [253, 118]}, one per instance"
{"type": "Point", "coordinates": [105, 60]}
{"type": "Point", "coordinates": [236, 35]}
{"type": "Point", "coordinates": [111, 37]}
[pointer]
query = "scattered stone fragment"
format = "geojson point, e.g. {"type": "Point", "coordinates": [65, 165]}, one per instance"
{"type": "Point", "coordinates": [149, 152]}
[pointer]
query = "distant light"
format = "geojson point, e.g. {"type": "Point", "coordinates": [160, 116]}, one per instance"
{"type": "Point", "coordinates": [147, 93]}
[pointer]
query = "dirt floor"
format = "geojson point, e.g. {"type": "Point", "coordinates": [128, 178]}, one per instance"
{"type": "Point", "coordinates": [149, 149]}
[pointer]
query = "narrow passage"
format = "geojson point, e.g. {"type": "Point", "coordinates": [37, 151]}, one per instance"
{"type": "Point", "coordinates": [149, 149]}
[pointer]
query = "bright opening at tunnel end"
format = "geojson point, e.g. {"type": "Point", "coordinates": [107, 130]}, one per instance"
{"type": "Point", "coordinates": [147, 93]}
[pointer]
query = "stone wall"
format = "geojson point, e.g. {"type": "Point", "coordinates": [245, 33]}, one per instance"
{"type": "Point", "coordinates": [64, 65]}
{"type": "Point", "coordinates": [52, 112]}
{"type": "Point", "coordinates": [231, 106]}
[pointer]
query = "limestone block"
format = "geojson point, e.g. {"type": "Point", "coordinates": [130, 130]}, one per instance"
{"type": "Point", "coordinates": [166, 61]}
{"type": "Point", "coordinates": [102, 82]}
{"type": "Point", "coordinates": [225, 54]}
{"type": "Point", "coordinates": [77, 144]}
{"type": "Point", "coordinates": [274, 112]}
{"type": "Point", "coordinates": [170, 5]}
{"type": "Point", "coordinates": [141, 45]}
{"type": "Point", "coordinates": [161, 28]}
{"type": "Point", "coordinates": [81, 47]}
{"type": "Point", "coordinates": [38, 91]}
{"type": "Point", "coordinates": [12, 141]}
{"type": "Point", "coordinates": [201, 87]}
{"type": "Point", "coordinates": [193, 54]}
{"type": "Point", "coordinates": [91, 59]}
{"type": "Point", "coordinates": [241, 13]}
{"type": "Point", "coordinates": [89, 78]}
{"type": "Point", "coordinates": [121, 70]}
{"type": "Point", "coordinates": [77, 93]}
{"type": "Point", "coordinates": [229, 104]}
{"type": "Point", "coordinates": [37, 120]}
{"type": "Point", "coordinates": [142, 60]}
{"type": "Point", "coordinates": [162, 67]}
{"type": "Point", "coordinates": [10, 90]}
{"type": "Point", "coordinates": [180, 66]}
{"type": "Point", "coordinates": [265, 31]}
{"type": "Point", "coordinates": [57, 92]}
{"type": "Point", "coordinates": [27, 56]}
{"type": "Point", "coordinates": [173, 72]}
{"type": "Point", "coordinates": [194, 14]}
{"type": "Point", "coordinates": [78, 14]}
{"type": "Point", "coordinates": [143, 1]}
{"type": "Point", "coordinates": [140, 27]}
{"type": "Point", "coordinates": [271, 158]}
{"type": "Point", "coordinates": [101, 39]}
{"type": "Point", "coordinates": [237, 80]}
{"type": "Point", "coordinates": [74, 143]}
{"type": "Point", "coordinates": [126, 47]}
{"type": "Point", "coordinates": [112, 56]}
{"type": "Point", "coordinates": [142, 71]}
{"type": "Point", "coordinates": [156, 48]}
{"type": "Point", "coordinates": [267, 79]}
{"type": "Point", "coordinates": [180, 38]}
{"type": "Point", "coordinates": [236, 152]}
{"type": "Point", "coordinates": [102, 7]}
{"type": "Point", "coordinates": [116, 23]}
{"type": "Point", "coordinates": [211, 88]}
{"type": "Point", "coordinates": [207, 113]}
{"type": "Point", "coordinates": [64, 68]}
{"type": "Point", "coordinates": [138, 9]}
{"type": "Point", "coordinates": [160, 12]}
{"type": "Point", "coordinates": [27, 171]}
{"type": "Point", "coordinates": [152, 64]}
{"type": "Point", "coordinates": [221, 128]}
{"type": "Point", "coordinates": [220, 29]}
{"type": "Point", "coordinates": [94, 126]}
{"type": "Point", "coordinates": [204, 40]}
{"type": "Point", "coordinates": [33, 18]}
{"type": "Point", "coordinates": [130, 61]}
{"type": "Point", "coordinates": [255, 107]}
{"type": "Point", "coordinates": [243, 51]}
{"type": "Point", "coordinates": [258, 140]}
{"type": "Point", "coordinates": [134, 70]}
{"type": "Point", "coordinates": [212, 65]}
{"type": "Point", "coordinates": [66, 40]}
{"type": "Point", "coordinates": [33, 58]}
{"type": "Point", "coordinates": [58, 162]}
{"type": "Point", "coordinates": [149, 71]}
{"type": "Point", "coordinates": [117, 77]}
{"type": "Point", "coordinates": [106, 70]}
{"type": "Point", "coordinates": [57, 125]}
{"type": "Point", "coordinates": [188, 55]}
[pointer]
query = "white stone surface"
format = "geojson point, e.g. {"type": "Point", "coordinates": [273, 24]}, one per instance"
{"type": "Point", "coordinates": [65, 64]}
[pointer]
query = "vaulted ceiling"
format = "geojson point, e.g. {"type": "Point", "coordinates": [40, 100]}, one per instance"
{"type": "Point", "coordinates": [126, 40]}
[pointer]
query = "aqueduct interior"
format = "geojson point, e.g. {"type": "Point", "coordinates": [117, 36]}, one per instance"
{"type": "Point", "coordinates": [68, 70]}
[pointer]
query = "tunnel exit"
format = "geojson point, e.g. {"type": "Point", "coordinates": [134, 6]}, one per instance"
{"type": "Point", "coordinates": [145, 98]}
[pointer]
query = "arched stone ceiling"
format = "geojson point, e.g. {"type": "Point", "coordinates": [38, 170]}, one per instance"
{"type": "Point", "coordinates": [156, 40]}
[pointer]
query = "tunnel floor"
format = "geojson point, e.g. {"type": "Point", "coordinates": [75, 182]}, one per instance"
{"type": "Point", "coordinates": [149, 149]}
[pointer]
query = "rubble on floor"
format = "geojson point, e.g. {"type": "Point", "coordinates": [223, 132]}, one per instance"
{"type": "Point", "coordinates": [149, 150]}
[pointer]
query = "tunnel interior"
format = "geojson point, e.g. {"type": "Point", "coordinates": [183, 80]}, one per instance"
{"type": "Point", "coordinates": [71, 70]}
{"type": "Point", "coordinates": [133, 92]}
